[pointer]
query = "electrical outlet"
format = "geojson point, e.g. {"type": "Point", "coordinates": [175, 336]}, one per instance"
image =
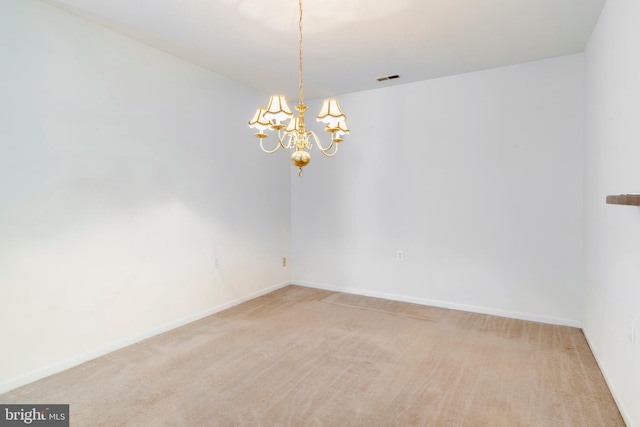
{"type": "Point", "coordinates": [284, 261]}
{"type": "Point", "coordinates": [215, 262]}
{"type": "Point", "coordinates": [399, 256]}
{"type": "Point", "coordinates": [631, 332]}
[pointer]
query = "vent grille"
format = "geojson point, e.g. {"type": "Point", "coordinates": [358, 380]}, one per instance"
{"type": "Point", "coordinates": [395, 76]}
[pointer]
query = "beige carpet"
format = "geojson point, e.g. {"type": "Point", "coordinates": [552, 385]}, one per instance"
{"type": "Point", "coordinates": [302, 356]}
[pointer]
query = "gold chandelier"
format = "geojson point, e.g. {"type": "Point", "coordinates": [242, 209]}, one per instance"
{"type": "Point", "coordinates": [293, 135]}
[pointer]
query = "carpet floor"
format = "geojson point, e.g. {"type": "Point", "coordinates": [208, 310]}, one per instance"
{"type": "Point", "coordinates": [307, 357]}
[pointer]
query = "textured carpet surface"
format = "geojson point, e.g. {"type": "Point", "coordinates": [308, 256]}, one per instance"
{"type": "Point", "coordinates": [301, 356]}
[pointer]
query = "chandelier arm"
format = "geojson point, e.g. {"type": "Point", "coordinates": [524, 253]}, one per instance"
{"type": "Point", "coordinates": [306, 140]}
{"type": "Point", "coordinates": [326, 151]}
{"type": "Point", "coordinates": [269, 151]}
{"type": "Point", "coordinates": [281, 137]}
{"type": "Point", "coordinates": [288, 145]}
{"type": "Point", "coordinates": [335, 150]}
{"type": "Point", "coordinates": [317, 140]}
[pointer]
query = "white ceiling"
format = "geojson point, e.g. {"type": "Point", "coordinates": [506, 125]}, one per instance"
{"type": "Point", "coordinates": [348, 44]}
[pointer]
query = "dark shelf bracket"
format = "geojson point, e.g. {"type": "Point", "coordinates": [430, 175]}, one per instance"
{"type": "Point", "coordinates": [624, 199]}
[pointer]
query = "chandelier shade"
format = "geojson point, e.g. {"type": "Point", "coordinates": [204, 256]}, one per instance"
{"type": "Point", "coordinates": [259, 121]}
{"type": "Point", "coordinates": [294, 125]}
{"type": "Point", "coordinates": [340, 129]}
{"type": "Point", "coordinates": [330, 113]}
{"type": "Point", "coordinates": [293, 135]}
{"type": "Point", "coordinates": [278, 109]}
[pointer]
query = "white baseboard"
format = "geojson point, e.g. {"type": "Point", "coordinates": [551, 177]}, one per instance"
{"type": "Point", "coordinates": [606, 378]}
{"type": "Point", "coordinates": [445, 304]}
{"type": "Point", "coordinates": [92, 354]}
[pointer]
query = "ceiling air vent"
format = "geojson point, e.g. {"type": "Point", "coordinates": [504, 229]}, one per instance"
{"type": "Point", "coordinates": [395, 76]}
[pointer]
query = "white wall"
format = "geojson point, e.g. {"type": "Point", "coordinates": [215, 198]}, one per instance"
{"type": "Point", "coordinates": [122, 177]}
{"type": "Point", "coordinates": [476, 177]}
{"type": "Point", "coordinates": [613, 232]}
{"type": "Point", "coordinates": [123, 173]}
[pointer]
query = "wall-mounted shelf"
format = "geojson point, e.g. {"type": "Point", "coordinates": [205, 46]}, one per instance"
{"type": "Point", "coordinates": [624, 199]}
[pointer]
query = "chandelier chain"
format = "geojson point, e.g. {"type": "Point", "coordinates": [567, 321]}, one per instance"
{"type": "Point", "coordinates": [300, 52]}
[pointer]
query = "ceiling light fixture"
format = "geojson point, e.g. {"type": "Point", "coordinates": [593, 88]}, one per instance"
{"type": "Point", "coordinates": [293, 135]}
